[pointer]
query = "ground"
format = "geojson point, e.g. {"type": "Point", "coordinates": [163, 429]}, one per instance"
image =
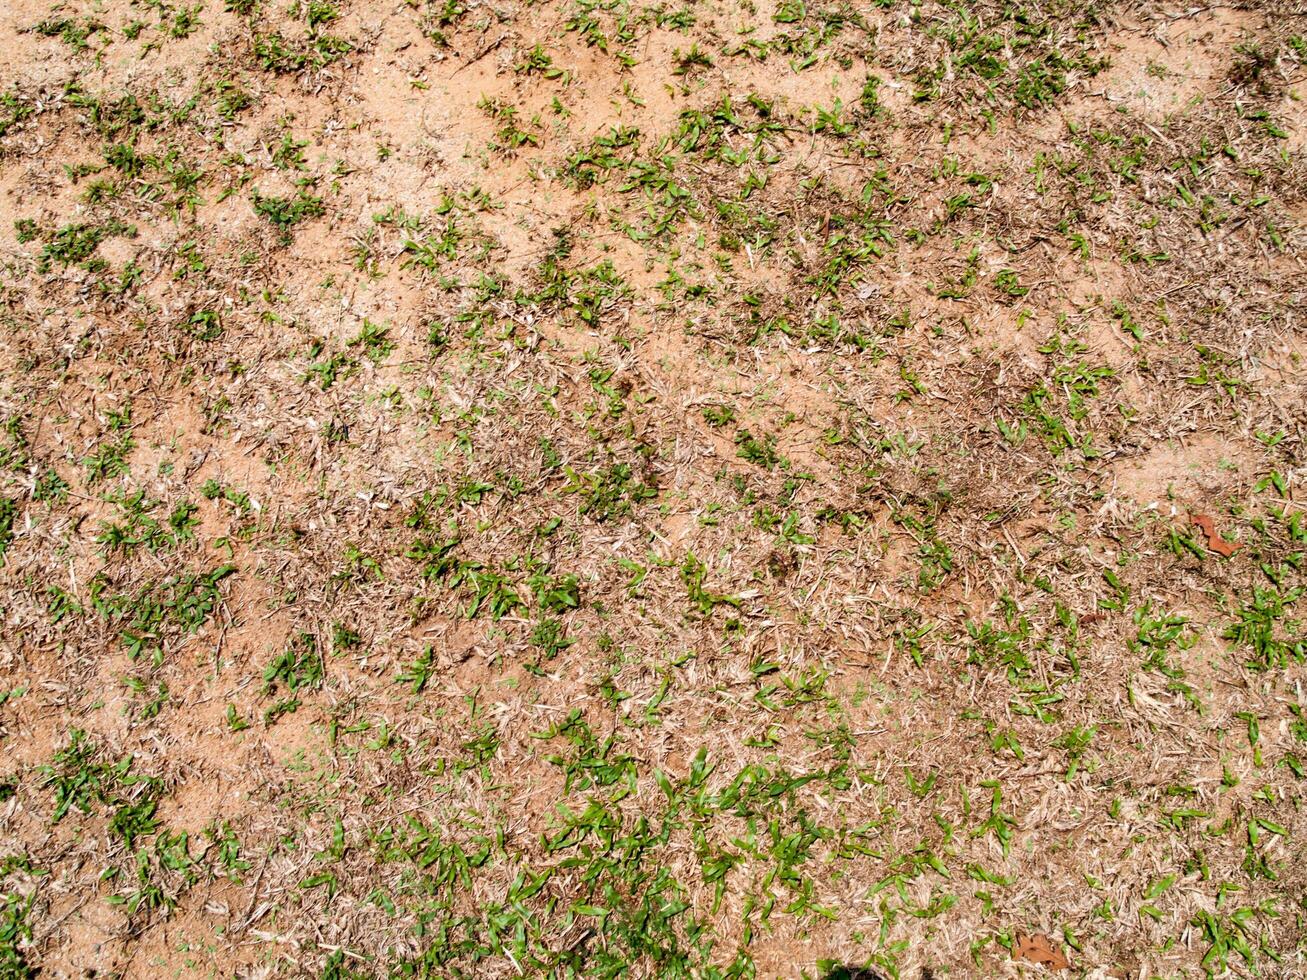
{"type": "Point", "coordinates": [586, 488]}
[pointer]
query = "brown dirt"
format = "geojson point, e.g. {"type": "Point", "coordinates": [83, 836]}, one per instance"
{"type": "Point", "coordinates": [870, 431]}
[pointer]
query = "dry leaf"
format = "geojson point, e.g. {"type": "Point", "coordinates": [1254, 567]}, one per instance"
{"type": "Point", "coordinates": [1038, 948]}
{"type": "Point", "coordinates": [1215, 542]}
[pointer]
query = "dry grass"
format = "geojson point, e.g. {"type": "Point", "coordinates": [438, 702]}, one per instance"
{"type": "Point", "coordinates": [594, 489]}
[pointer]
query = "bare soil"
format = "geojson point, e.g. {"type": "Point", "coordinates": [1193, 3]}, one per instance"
{"type": "Point", "coordinates": [586, 488]}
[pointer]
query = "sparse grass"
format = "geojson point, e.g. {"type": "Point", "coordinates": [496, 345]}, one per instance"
{"type": "Point", "coordinates": [590, 489]}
